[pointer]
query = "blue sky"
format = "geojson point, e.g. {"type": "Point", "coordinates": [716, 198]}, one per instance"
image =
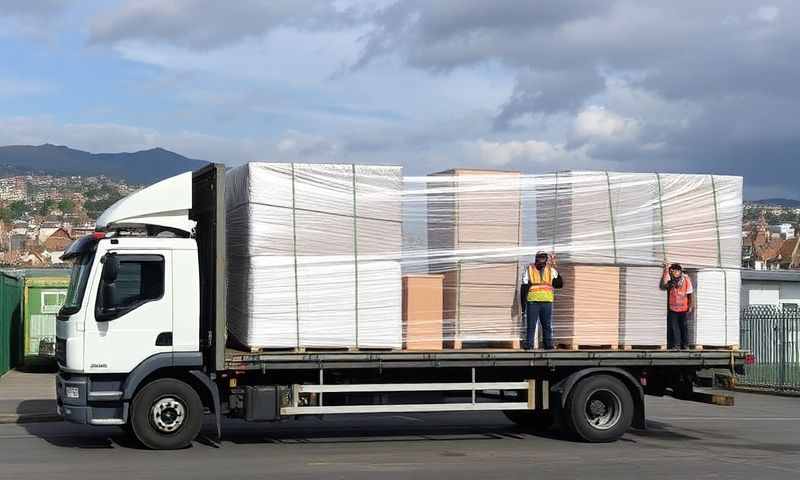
{"type": "Point", "coordinates": [534, 86]}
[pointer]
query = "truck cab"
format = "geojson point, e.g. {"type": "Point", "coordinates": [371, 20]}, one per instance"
{"type": "Point", "coordinates": [133, 303]}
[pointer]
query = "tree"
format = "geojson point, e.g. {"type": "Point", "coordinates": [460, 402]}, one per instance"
{"type": "Point", "coordinates": [46, 206]}
{"type": "Point", "coordinates": [17, 209]}
{"type": "Point", "coordinates": [66, 205]}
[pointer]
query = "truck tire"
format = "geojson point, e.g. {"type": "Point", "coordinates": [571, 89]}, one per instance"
{"type": "Point", "coordinates": [599, 409]}
{"type": "Point", "coordinates": [166, 414]}
{"type": "Point", "coordinates": [534, 420]}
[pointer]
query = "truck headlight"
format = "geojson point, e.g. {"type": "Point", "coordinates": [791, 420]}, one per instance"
{"type": "Point", "coordinates": [72, 392]}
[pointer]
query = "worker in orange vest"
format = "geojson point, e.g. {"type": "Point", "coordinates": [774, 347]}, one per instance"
{"type": "Point", "coordinates": [680, 304]}
{"type": "Point", "coordinates": [537, 294]}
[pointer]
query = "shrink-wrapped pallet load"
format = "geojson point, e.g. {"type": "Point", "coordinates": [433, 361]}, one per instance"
{"type": "Point", "coordinates": [473, 239]}
{"type": "Point", "coordinates": [314, 255]}
{"type": "Point", "coordinates": [599, 217]}
{"type": "Point", "coordinates": [640, 218]}
{"type": "Point", "coordinates": [642, 308]}
{"type": "Point", "coordinates": [715, 321]}
{"type": "Point", "coordinates": [586, 310]}
{"type": "Point", "coordinates": [702, 219]}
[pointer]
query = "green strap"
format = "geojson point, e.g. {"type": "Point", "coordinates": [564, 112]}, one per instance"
{"type": "Point", "coordinates": [725, 302]}
{"type": "Point", "coordinates": [716, 221]}
{"type": "Point", "coordinates": [611, 216]}
{"type": "Point", "coordinates": [294, 255]}
{"type": "Point", "coordinates": [355, 245]}
{"type": "Point", "coordinates": [555, 212]}
{"type": "Point", "coordinates": [661, 217]}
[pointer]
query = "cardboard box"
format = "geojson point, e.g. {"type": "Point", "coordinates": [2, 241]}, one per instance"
{"type": "Point", "coordinates": [474, 222]}
{"type": "Point", "coordinates": [586, 310]}
{"type": "Point", "coordinates": [423, 299]}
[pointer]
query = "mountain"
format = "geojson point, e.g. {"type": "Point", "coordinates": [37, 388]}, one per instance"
{"type": "Point", "coordinates": [143, 167]}
{"type": "Point", "coordinates": [784, 202]}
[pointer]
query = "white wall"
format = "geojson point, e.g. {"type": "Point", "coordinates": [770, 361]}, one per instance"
{"type": "Point", "coordinates": [770, 293]}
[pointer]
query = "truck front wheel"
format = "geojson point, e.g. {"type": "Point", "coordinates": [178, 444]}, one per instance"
{"type": "Point", "coordinates": [599, 409]}
{"type": "Point", "coordinates": [166, 414]}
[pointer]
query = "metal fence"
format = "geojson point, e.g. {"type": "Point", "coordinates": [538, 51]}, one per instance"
{"type": "Point", "coordinates": [772, 335]}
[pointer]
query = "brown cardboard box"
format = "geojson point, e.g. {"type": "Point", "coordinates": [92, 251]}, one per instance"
{"type": "Point", "coordinates": [480, 303]}
{"type": "Point", "coordinates": [422, 312]}
{"type": "Point", "coordinates": [586, 310]}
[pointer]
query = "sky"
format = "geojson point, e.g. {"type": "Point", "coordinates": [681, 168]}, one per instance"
{"type": "Point", "coordinates": [679, 86]}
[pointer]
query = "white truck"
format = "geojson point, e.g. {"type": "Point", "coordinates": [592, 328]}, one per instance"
{"type": "Point", "coordinates": [141, 344]}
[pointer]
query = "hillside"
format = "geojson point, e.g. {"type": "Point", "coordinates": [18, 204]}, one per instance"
{"type": "Point", "coordinates": [784, 202]}
{"type": "Point", "coordinates": [143, 167]}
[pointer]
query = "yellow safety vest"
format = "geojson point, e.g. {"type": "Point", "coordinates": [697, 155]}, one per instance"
{"type": "Point", "coordinates": [541, 285]}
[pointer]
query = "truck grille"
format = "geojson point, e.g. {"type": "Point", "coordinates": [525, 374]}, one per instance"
{"type": "Point", "coordinates": [61, 351]}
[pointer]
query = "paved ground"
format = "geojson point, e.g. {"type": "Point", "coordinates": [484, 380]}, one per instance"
{"type": "Point", "coordinates": [27, 396]}
{"type": "Point", "coordinates": [759, 438]}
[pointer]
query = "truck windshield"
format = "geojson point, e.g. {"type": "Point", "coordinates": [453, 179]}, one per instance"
{"type": "Point", "coordinates": [77, 283]}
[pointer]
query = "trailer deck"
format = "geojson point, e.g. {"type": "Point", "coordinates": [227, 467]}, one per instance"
{"type": "Point", "coordinates": [265, 360]}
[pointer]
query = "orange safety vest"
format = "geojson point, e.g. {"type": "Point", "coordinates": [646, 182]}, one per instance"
{"type": "Point", "coordinates": [541, 285]}
{"type": "Point", "coordinates": [679, 296]}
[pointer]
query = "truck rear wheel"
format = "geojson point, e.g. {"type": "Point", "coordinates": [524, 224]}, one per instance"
{"type": "Point", "coordinates": [599, 409]}
{"type": "Point", "coordinates": [535, 420]}
{"type": "Point", "coordinates": [166, 414]}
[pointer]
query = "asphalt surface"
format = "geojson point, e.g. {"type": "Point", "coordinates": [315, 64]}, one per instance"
{"type": "Point", "coordinates": [757, 439]}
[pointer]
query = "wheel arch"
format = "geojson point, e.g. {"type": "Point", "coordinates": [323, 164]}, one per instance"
{"type": "Point", "coordinates": [565, 386]}
{"type": "Point", "coordinates": [180, 366]}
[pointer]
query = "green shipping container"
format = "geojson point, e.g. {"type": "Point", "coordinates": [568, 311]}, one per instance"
{"type": "Point", "coordinates": [42, 298]}
{"type": "Point", "coordinates": [11, 325]}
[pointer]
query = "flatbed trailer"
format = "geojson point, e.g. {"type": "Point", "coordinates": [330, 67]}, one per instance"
{"type": "Point", "coordinates": [156, 370]}
{"type": "Point", "coordinates": [536, 389]}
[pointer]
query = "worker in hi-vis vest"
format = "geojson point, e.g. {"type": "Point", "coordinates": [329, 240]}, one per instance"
{"type": "Point", "coordinates": [537, 294]}
{"type": "Point", "coordinates": [680, 303]}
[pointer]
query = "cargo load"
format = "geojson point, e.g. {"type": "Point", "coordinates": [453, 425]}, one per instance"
{"type": "Point", "coordinates": [314, 255]}
{"type": "Point", "coordinates": [317, 255]}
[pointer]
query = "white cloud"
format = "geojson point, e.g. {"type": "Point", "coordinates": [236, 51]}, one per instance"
{"type": "Point", "coordinates": [596, 122]}
{"type": "Point", "coordinates": [499, 154]}
{"type": "Point", "coordinates": [766, 13]}
{"type": "Point", "coordinates": [304, 145]}
{"type": "Point", "coordinates": [208, 24]}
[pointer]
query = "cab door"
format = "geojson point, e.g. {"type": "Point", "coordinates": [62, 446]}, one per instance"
{"type": "Point", "coordinates": [130, 314]}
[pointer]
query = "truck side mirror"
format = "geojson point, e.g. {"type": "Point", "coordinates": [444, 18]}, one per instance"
{"type": "Point", "coordinates": [111, 268]}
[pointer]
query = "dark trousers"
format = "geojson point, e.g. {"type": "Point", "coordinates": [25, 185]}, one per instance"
{"type": "Point", "coordinates": [677, 330]}
{"type": "Point", "coordinates": [541, 312]}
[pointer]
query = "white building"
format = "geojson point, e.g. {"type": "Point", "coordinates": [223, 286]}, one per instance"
{"type": "Point", "coordinates": [785, 230]}
{"type": "Point", "coordinates": [776, 288]}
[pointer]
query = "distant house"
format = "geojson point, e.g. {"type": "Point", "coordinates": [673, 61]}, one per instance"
{"type": "Point", "coordinates": [79, 231]}
{"type": "Point", "coordinates": [785, 230]}
{"type": "Point", "coordinates": [33, 259]}
{"type": "Point", "coordinates": [58, 241]}
{"type": "Point", "coordinates": [53, 258]}
{"type": "Point", "coordinates": [45, 232]}
{"type": "Point", "coordinates": [17, 241]}
{"type": "Point", "coordinates": [789, 254]}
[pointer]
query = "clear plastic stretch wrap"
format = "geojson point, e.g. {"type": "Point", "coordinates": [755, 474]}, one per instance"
{"type": "Point", "coordinates": [360, 257]}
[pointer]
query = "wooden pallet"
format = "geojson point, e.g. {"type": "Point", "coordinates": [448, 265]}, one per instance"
{"type": "Point", "coordinates": [319, 349]}
{"type": "Point", "coordinates": [713, 347]}
{"type": "Point", "coordinates": [573, 346]}
{"type": "Point", "coordinates": [498, 344]}
{"type": "Point", "coordinates": [627, 348]}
